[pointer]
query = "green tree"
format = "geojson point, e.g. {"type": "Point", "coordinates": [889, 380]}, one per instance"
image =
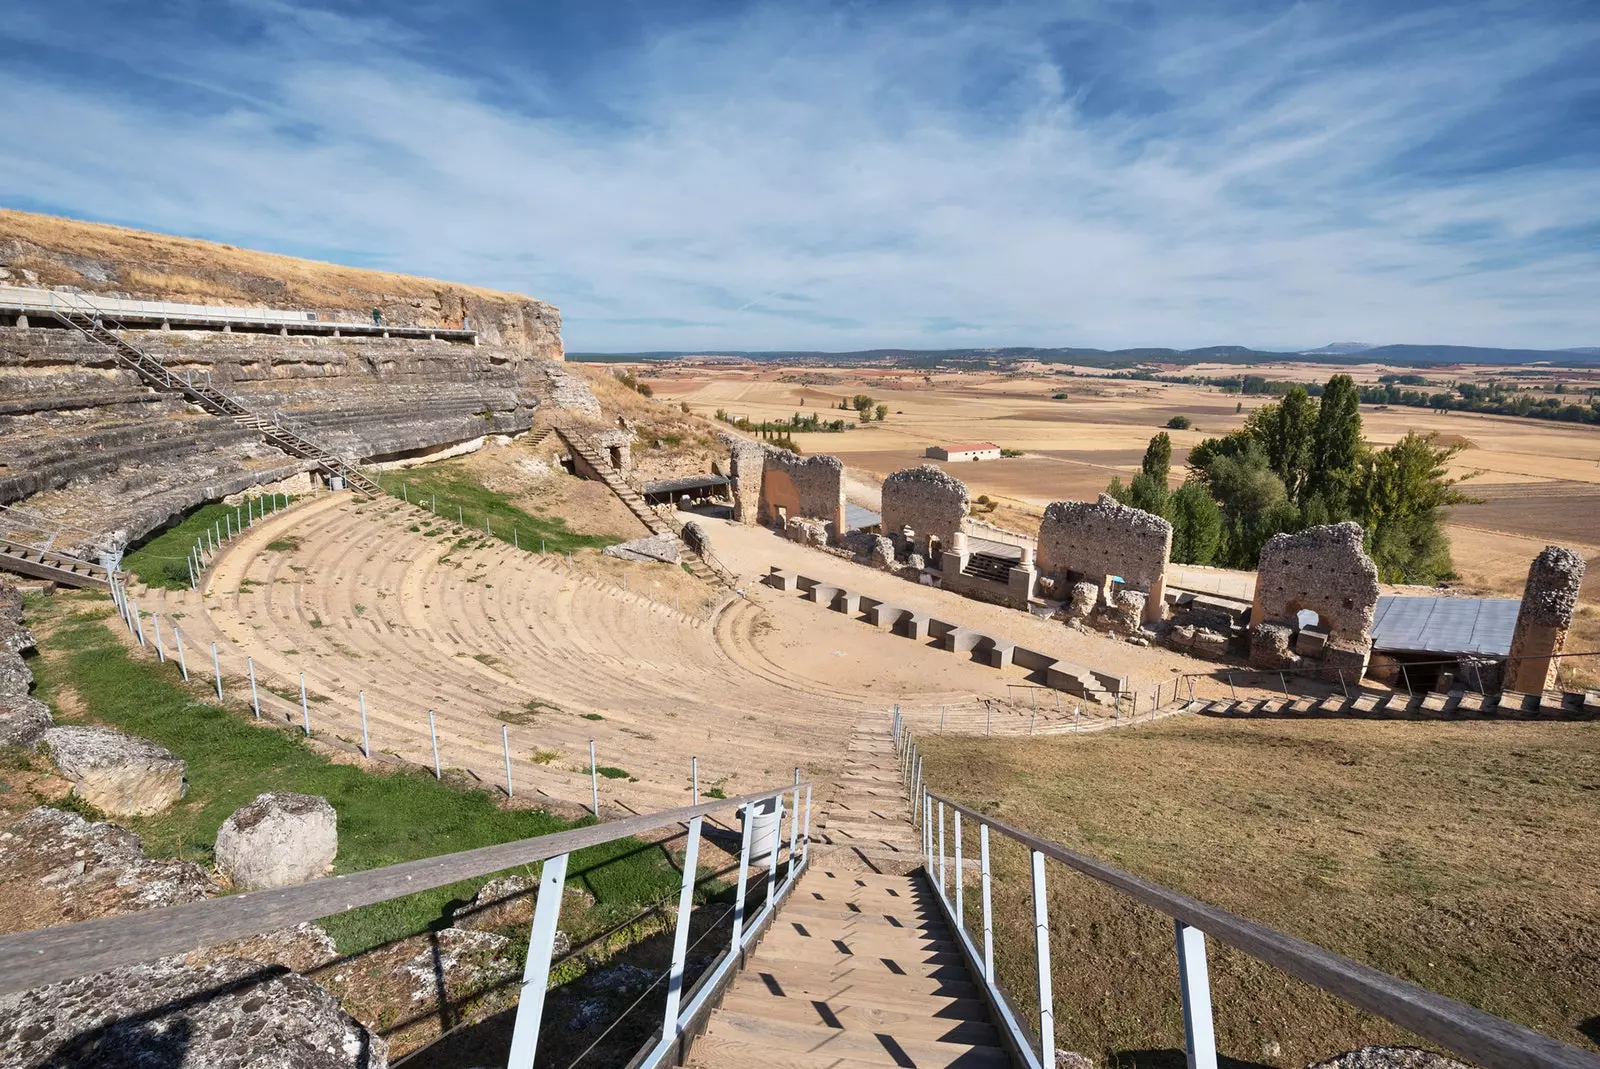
{"type": "Point", "coordinates": [1254, 503]}
{"type": "Point", "coordinates": [1196, 524]}
{"type": "Point", "coordinates": [1335, 449]}
{"type": "Point", "coordinates": [1157, 462]}
{"type": "Point", "coordinates": [862, 404]}
{"type": "Point", "coordinates": [883, 412]}
{"type": "Point", "coordinates": [1285, 431]}
{"type": "Point", "coordinates": [1179, 423]}
{"type": "Point", "coordinates": [1398, 498]}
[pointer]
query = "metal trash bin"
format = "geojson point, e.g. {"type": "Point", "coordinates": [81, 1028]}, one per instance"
{"type": "Point", "coordinates": [764, 829]}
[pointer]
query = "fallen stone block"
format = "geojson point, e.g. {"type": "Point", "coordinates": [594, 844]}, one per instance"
{"type": "Point", "coordinates": [165, 1013]}
{"type": "Point", "coordinates": [15, 676]}
{"type": "Point", "coordinates": [23, 721]}
{"type": "Point", "coordinates": [277, 840]}
{"type": "Point", "coordinates": [123, 775]}
{"type": "Point", "coordinates": [661, 549]}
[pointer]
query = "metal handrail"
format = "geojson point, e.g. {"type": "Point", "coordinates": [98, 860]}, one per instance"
{"type": "Point", "coordinates": [1468, 1032]}
{"type": "Point", "coordinates": [69, 951]}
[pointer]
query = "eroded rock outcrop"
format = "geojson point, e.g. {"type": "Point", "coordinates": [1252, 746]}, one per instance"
{"type": "Point", "coordinates": [120, 774]}
{"type": "Point", "coordinates": [23, 721]}
{"type": "Point", "coordinates": [278, 839]}
{"type": "Point", "coordinates": [165, 1014]}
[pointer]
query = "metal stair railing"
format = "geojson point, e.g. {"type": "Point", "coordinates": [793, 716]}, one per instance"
{"type": "Point", "coordinates": [69, 951]}
{"type": "Point", "coordinates": [1476, 1037]}
{"type": "Point", "coordinates": [91, 324]}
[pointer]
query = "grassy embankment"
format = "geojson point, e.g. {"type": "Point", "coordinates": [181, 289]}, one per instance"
{"type": "Point", "coordinates": [159, 560]}
{"type": "Point", "coordinates": [384, 817]}
{"type": "Point", "coordinates": [462, 499]}
{"type": "Point", "coordinates": [1459, 856]}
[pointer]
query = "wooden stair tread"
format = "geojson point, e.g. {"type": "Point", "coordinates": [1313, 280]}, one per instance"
{"type": "Point", "coordinates": [883, 1047]}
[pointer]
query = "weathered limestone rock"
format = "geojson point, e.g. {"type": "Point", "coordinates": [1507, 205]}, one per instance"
{"type": "Point", "coordinates": [278, 839]}
{"type": "Point", "coordinates": [10, 601]}
{"type": "Point", "coordinates": [661, 549]}
{"type": "Point", "coordinates": [14, 638]}
{"type": "Point", "coordinates": [1271, 646]}
{"type": "Point", "coordinates": [807, 532]}
{"type": "Point", "coordinates": [570, 393]}
{"type": "Point", "coordinates": [58, 867]}
{"type": "Point", "coordinates": [1548, 600]}
{"type": "Point", "coordinates": [881, 553]}
{"type": "Point", "coordinates": [697, 538]}
{"type": "Point", "coordinates": [1081, 600]}
{"type": "Point", "coordinates": [915, 562]}
{"type": "Point", "coordinates": [924, 499]}
{"type": "Point", "coordinates": [23, 721]}
{"type": "Point", "coordinates": [123, 775]}
{"type": "Point", "coordinates": [1095, 541]}
{"type": "Point", "coordinates": [1389, 1058]}
{"type": "Point", "coordinates": [1121, 615]}
{"type": "Point", "coordinates": [15, 676]}
{"type": "Point", "coordinates": [165, 1013]}
{"type": "Point", "coordinates": [1323, 569]}
{"type": "Point", "coordinates": [300, 948]}
{"type": "Point", "coordinates": [1208, 643]}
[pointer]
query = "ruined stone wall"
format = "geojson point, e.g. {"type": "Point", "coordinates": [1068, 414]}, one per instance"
{"type": "Point", "coordinates": [930, 502]}
{"type": "Point", "coordinates": [802, 486]}
{"type": "Point", "coordinates": [1548, 601]}
{"type": "Point", "coordinates": [1105, 538]}
{"type": "Point", "coordinates": [746, 465]}
{"type": "Point", "coordinates": [1323, 569]}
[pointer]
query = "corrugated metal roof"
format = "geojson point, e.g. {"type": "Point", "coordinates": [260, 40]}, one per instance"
{"type": "Point", "coordinates": [1444, 625]}
{"type": "Point", "coordinates": [856, 517]}
{"type": "Point", "coordinates": [688, 482]}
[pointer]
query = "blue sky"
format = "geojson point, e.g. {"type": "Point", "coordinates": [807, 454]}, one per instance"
{"type": "Point", "coordinates": [838, 176]}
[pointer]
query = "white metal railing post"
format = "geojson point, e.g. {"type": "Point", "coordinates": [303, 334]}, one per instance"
{"type": "Point", "coordinates": [366, 745]}
{"type": "Point", "coordinates": [916, 786]}
{"type": "Point", "coordinates": [794, 829]}
{"type": "Point", "coordinates": [216, 671]}
{"type": "Point", "coordinates": [138, 624]}
{"type": "Point", "coordinates": [941, 851]}
{"type": "Point", "coordinates": [961, 917]}
{"type": "Point", "coordinates": [255, 697]}
{"type": "Point", "coordinates": [161, 654]}
{"type": "Point", "coordinates": [988, 916]}
{"type": "Point", "coordinates": [1194, 981]}
{"type": "Point", "coordinates": [670, 1027]}
{"type": "Point", "coordinates": [694, 778]}
{"type": "Point", "coordinates": [805, 833]}
{"type": "Point", "coordinates": [927, 832]}
{"type": "Point", "coordinates": [536, 972]}
{"type": "Point", "coordinates": [1041, 935]}
{"type": "Point", "coordinates": [305, 710]}
{"type": "Point", "coordinates": [744, 877]}
{"type": "Point", "coordinates": [433, 733]}
{"type": "Point", "coordinates": [183, 665]}
{"type": "Point", "coordinates": [594, 781]}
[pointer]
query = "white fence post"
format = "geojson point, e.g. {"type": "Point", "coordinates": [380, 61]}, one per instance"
{"type": "Point", "coordinates": [216, 670]}
{"type": "Point", "coordinates": [505, 743]}
{"type": "Point", "coordinates": [536, 972]}
{"type": "Point", "coordinates": [1194, 980]}
{"type": "Point", "coordinates": [366, 745]}
{"type": "Point", "coordinates": [1041, 930]}
{"type": "Point", "coordinates": [961, 917]}
{"type": "Point", "coordinates": [305, 710]}
{"type": "Point", "coordinates": [594, 781]}
{"type": "Point", "coordinates": [183, 666]}
{"type": "Point", "coordinates": [434, 734]}
{"type": "Point", "coordinates": [255, 698]}
{"type": "Point", "coordinates": [680, 936]}
{"type": "Point", "coordinates": [744, 880]}
{"type": "Point", "coordinates": [694, 777]}
{"type": "Point", "coordinates": [941, 850]}
{"type": "Point", "coordinates": [161, 654]}
{"type": "Point", "coordinates": [988, 916]}
{"type": "Point", "coordinates": [138, 624]}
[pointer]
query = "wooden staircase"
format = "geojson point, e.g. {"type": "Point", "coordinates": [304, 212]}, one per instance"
{"type": "Point", "coordinates": [990, 567]}
{"type": "Point", "coordinates": [655, 522]}
{"type": "Point", "coordinates": [1451, 705]}
{"type": "Point", "coordinates": [859, 967]}
{"type": "Point", "coordinates": [63, 568]}
{"type": "Point", "coordinates": [158, 375]}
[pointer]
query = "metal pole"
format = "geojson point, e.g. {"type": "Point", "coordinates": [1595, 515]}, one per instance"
{"type": "Point", "coordinates": [536, 973]}
{"type": "Point", "coordinates": [988, 720]}
{"type": "Point", "coordinates": [920, 786]}
{"type": "Point", "coordinates": [190, 562]}
{"type": "Point", "coordinates": [1341, 684]}
{"type": "Point", "coordinates": [988, 915]}
{"type": "Point", "coordinates": [161, 654]}
{"type": "Point", "coordinates": [366, 745]}
{"type": "Point", "coordinates": [505, 743]}
{"type": "Point", "coordinates": [1407, 677]}
{"type": "Point", "coordinates": [433, 733]}
{"type": "Point", "coordinates": [305, 710]}
{"type": "Point", "coordinates": [460, 517]}
{"type": "Point", "coordinates": [680, 937]}
{"type": "Point", "coordinates": [961, 916]}
{"type": "Point", "coordinates": [805, 832]}
{"type": "Point", "coordinates": [594, 781]}
{"type": "Point", "coordinates": [927, 830]}
{"type": "Point", "coordinates": [183, 666]}
{"type": "Point", "coordinates": [514, 543]}
{"type": "Point", "coordinates": [694, 777]}
{"type": "Point", "coordinates": [744, 878]}
{"type": "Point", "coordinates": [216, 670]}
{"type": "Point", "coordinates": [255, 698]}
{"type": "Point", "coordinates": [794, 829]}
{"type": "Point", "coordinates": [941, 850]}
{"type": "Point", "coordinates": [941, 720]}
{"type": "Point", "coordinates": [138, 624]}
{"type": "Point", "coordinates": [1194, 982]}
{"type": "Point", "coordinates": [405, 495]}
{"type": "Point", "coordinates": [1284, 683]}
{"type": "Point", "coordinates": [1041, 929]}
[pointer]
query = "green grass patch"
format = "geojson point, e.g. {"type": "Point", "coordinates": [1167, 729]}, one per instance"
{"type": "Point", "coordinates": [591, 716]}
{"type": "Point", "coordinates": [160, 560]}
{"type": "Point", "coordinates": [544, 757]}
{"type": "Point", "coordinates": [613, 772]}
{"type": "Point", "coordinates": [383, 819]}
{"type": "Point", "coordinates": [455, 488]}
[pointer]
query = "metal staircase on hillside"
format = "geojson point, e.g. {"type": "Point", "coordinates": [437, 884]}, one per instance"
{"type": "Point", "coordinates": [700, 563]}
{"type": "Point", "coordinates": [28, 544]}
{"type": "Point", "coordinates": [213, 400]}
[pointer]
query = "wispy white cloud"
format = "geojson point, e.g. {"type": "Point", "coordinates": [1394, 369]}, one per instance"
{"type": "Point", "coordinates": [786, 178]}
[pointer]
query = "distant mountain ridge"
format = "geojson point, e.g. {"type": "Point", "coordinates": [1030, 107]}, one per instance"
{"type": "Point", "coordinates": [1420, 356]}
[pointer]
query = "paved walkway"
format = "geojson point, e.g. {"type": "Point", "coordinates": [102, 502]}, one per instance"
{"type": "Point", "coordinates": [859, 967]}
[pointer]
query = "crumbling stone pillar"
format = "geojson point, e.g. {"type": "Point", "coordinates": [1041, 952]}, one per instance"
{"type": "Point", "coordinates": [1548, 599]}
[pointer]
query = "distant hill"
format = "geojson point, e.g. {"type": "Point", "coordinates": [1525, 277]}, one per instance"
{"type": "Point", "coordinates": [1421, 356]}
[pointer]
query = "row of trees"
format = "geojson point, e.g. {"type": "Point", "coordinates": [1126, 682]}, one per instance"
{"type": "Point", "coordinates": [1296, 463]}
{"type": "Point", "coordinates": [865, 407]}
